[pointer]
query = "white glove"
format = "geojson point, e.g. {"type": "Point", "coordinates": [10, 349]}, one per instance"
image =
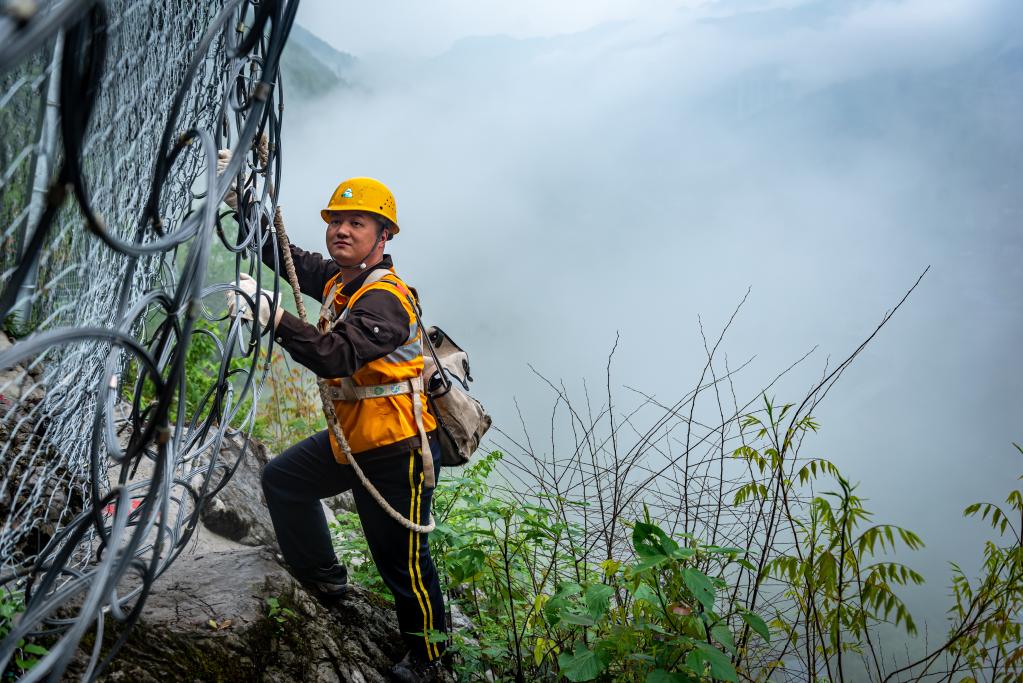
{"type": "Point", "coordinates": [263, 297]}
{"type": "Point", "coordinates": [223, 159]}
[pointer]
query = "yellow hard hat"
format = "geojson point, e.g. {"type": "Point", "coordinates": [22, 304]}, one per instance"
{"type": "Point", "coordinates": [363, 194]}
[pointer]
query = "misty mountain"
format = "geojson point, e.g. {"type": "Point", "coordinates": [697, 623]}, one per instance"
{"type": "Point", "coordinates": [313, 68]}
{"type": "Point", "coordinates": [953, 111]}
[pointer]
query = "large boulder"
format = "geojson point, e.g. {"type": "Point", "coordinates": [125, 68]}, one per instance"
{"type": "Point", "coordinates": [238, 512]}
{"type": "Point", "coordinates": [209, 618]}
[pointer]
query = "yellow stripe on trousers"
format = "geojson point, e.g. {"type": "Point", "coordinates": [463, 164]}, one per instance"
{"type": "Point", "coordinates": [432, 649]}
{"type": "Point", "coordinates": [413, 549]}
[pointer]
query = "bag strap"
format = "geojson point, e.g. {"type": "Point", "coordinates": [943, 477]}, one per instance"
{"type": "Point", "coordinates": [429, 344]}
{"type": "Point", "coordinates": [418, 394]}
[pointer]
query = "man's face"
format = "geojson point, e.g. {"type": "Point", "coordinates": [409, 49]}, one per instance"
{"type": "Point", "coordinates": [351, 236]}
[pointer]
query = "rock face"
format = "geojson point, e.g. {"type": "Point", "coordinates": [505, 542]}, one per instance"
{"type": "Point", "coordinates": [209, 619]}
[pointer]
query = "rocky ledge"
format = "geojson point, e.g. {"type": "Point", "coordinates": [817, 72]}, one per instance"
{"type": "Point", "coordinates": [227, 610]}
{"type": "Point", "coordinates": [237, 615]}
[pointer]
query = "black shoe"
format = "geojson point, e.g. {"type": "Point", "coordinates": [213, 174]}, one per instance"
{"type": "Point", "coordinates": [412, 669]}
{"type": "Point", "coordinates": [328, 584]}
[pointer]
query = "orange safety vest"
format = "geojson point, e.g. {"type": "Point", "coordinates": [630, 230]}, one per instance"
{"type": "Point", "coordinates": [378, 421]}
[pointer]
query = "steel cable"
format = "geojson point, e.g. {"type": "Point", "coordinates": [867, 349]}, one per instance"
{"type": "Point", "coordinates": [113, 113]}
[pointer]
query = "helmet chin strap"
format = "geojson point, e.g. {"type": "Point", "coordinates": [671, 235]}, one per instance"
{"type": "Point", "coordinates": [362, 261]}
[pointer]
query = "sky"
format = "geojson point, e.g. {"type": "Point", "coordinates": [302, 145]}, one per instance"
{"type": "Point", "coordinates": [569, 172]}
{"type": "Point", "coordinates": [394, 28]}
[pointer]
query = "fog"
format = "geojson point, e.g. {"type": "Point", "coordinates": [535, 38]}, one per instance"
{"type": "Point", "coordinates": [565, 175]}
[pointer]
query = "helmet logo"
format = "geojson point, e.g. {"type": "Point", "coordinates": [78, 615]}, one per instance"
{"type": "Point", "coordinates": [347, 194]}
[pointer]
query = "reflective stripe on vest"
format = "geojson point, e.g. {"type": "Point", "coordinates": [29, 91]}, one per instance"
{"type": "Point", "coordinates": [406, 353]}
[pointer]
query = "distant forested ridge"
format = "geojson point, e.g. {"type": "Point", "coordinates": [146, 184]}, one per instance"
{"type": "Point", "coordinates": [311, 67]}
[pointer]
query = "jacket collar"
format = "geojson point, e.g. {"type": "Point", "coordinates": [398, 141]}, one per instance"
{"type": "Point", "coordinates": [352, 287]}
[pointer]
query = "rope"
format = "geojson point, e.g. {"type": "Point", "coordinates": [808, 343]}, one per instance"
{"type": "Point", "coordinates": [328, 409]}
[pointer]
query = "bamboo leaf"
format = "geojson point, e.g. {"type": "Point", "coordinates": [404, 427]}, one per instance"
{"type": "Point", "coordinates": [539, 650]}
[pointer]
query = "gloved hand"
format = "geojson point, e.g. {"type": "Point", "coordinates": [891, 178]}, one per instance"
{"type": "Point", "coordinates": [223, 159]}
{"type": "Point", "coordinates": [262, 297]}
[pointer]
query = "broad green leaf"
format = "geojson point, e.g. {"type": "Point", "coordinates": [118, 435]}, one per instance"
{"type": "Point", "coordinates": [723, 635]}
{"type": "Point", "coordinates": [700, 586]}
{"type": "Point", "coordinates": [757, 624]}
{"type": "Point", "coordinates": [652, 626]}
{"type": "Point", "coordinates": [442, 529]}
{"type": "Point", "coordinates": [650, 562]}
{"type": "Point", "coordinates": [649, 540]}
{"type": "Point", "coordinates": [721, 668]}
{"type": "Point", "coordinates": [722, 550]}
{"type": "Point", "coordinates": [25, 664]}
{"type": "Point", "coordinates": [646, 594]}
{"type": "Point", "coordinates": [435, 636]}
{"type": "Point", "coordinates": [682, 553]}
{"type": "Point", "coordinates": [695, 662]}
{"type": "Point", "coordinates": [581, 665]}
{"type": "Point", "coordinates": [578, 619]}
{"type": "Point", "coordinates": [640, 657]}
{"type": "Point", "coordinates": [597, 597]}
{"type": "Point", "coordinates": [567, 590]}
{"type": "Point", "coordinates": [34, 649]}
{"type": "Point", "coordinates": [642, 541]}
{"type": "Point", "coordinates": [697, 625]}
{"type": "Point", "coordinates": [557, 604]}
{"type": "Point", "coordinates": [466, 564]}
{"type": "Point", "coordinates": [662, 676]}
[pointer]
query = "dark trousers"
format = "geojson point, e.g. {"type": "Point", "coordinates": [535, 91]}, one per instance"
{"type": "Point", "coordinates": [296, 480]}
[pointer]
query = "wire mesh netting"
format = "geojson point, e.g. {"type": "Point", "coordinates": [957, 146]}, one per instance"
{"type": "Point", "coordinates": [110, 218]}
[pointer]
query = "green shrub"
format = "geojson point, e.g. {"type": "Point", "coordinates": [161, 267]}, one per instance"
{"type": "Point", "coordinates": [26, 655]}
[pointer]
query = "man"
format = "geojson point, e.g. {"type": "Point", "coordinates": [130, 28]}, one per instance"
{"type": "Point", "coordinates": [368, 333]}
